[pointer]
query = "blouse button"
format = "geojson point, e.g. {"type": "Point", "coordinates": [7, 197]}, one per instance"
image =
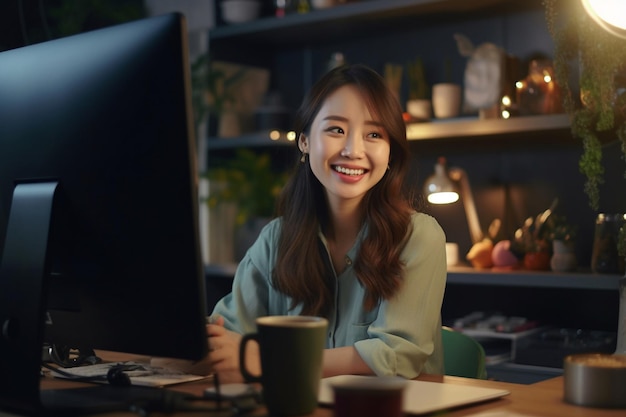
{"type": "Point", "coordinates": [348, 260]}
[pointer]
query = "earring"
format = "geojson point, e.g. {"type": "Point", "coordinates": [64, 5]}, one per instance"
{"type": "Point", "coordinates": [303, 157]}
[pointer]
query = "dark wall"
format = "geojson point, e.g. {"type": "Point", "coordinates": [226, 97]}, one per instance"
{"type": "Point", "coordinates": [512, 178]}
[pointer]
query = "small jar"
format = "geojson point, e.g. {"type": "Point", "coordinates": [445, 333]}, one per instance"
{"type": "Point", "coordinates": [563, 256]}
{"type": "Point", "coordinates": [283, 7]}
{"type": "Point", "coordinates": [605, 258]}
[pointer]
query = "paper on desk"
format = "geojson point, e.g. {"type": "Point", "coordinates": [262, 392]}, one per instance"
{"type": "Point", "coordinates": [150, 376]}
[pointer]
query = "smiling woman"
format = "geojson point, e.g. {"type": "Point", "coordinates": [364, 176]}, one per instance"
{"type": "Point", "coordinates": [347, 245]}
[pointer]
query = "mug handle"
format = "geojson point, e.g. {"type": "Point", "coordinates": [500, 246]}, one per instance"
{"type": "Point", "coordinates": [247, 376]}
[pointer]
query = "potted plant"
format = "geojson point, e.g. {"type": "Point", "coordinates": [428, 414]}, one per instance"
{"type": "Point", "coordinates": [418, 105]}
{"type": "Point", "coordinates": [212, 92]}
{"type": "Point", "coordinates": [249, 182]}
{"type": "Point", "coordinates": [446, 94]}
{"type": "Point", "coordinates": [563, 237]}
{"type": "Point", "coordinates": [580, 45]}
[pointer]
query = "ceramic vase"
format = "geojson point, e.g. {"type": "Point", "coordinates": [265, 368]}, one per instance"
{"type": "Point", "coordinates": [229, 125]}
{"type": "Point", "coordinates": [446, 100]}
{"type": "Point", "coordinates": [563, 257]}
{"type": "Point", "coordinates": [322, 4]}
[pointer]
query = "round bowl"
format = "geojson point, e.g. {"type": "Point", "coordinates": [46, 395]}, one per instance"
{"type": "Point", "coordinates": [595, 380]}
{"type": "Point", "coordinates": [239, 11]}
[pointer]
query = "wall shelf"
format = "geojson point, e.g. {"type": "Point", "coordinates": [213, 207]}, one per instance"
{"type": "Point", "coordinates": [351, 20]}
{"type": "Point", "coordinates": [457, 129]}
{"type": "Point", "coordinates": [520, 278]}
{"type": "Point", "coordinates": [250, 140]}
{"type": "Point", "coordinates": [535, 279]}
{"type": "Point", "coordinates": [473, 127]}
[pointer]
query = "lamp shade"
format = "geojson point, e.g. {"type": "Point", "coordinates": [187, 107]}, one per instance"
{"type": "Point", "coordinates": [438, 188]}
{"type": "Point", "coordinates": [609, 14]}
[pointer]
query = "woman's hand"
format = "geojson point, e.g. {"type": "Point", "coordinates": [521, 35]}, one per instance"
{"type": "Point", "coordinates": [223, 354]}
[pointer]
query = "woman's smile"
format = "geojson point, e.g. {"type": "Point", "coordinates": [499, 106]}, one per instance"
{"type": "Point", "coordinates": [348, 171]}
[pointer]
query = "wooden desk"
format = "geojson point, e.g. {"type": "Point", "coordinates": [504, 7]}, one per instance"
{"type": "Point", "coordinates": [543, 399]}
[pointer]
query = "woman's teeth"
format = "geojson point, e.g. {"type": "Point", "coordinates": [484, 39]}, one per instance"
{"type": "Point", "coordinates": [349, 171]}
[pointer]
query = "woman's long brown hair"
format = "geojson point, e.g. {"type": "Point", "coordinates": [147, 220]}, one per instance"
{"type": "Point", "coordinates": [302, 270]}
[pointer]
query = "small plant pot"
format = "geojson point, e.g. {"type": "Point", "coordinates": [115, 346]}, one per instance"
{"type": "Point", "coordinates": [563, 257]}
{"type": "Point", "coordinates": [420, 109]}
{"type": "Point", "coordinates": [537, 261]}
{"type": "Point", "coordinates": [323, 4]}
{"type": "Point", "coordinates": [446, 100]}
{"type": "Point", "coordinates": [229, 125]}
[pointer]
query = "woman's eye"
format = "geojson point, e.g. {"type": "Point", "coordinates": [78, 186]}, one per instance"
{"type": "Point", "coordinates": [376, 135]}
{"type": "Point", "coordinates": [335, 129]}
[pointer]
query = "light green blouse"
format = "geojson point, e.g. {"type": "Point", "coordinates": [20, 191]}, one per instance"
{"type": "Point", "coordinates": [401, 336]}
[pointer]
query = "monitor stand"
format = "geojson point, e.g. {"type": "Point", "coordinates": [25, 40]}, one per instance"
{"type": "Point", "coordinates": [23, 297]}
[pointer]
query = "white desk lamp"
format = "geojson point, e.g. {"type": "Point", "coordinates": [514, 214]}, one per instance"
{"type": "Point", "coordinates": [439, 189]}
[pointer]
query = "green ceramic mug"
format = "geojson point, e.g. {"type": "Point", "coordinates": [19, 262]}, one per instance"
{"type": "Point", "coordinates": [291, 350]}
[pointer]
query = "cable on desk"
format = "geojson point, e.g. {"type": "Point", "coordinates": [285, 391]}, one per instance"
{"type": "Point", "coordinates": [172, 401]}
{"type": "Point", "coordinates": [218, 392]}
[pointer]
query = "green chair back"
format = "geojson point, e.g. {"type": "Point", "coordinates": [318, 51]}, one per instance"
{"type": "Point", "coordinates": [463, 355]}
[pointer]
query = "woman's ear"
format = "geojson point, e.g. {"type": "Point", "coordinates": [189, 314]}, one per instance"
{"type": "Point", "coordinates": [303, 143]}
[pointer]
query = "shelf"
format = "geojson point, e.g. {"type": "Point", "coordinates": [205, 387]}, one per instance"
{"type": "Point", "coordinates": [465, 127]}
{"type": "Point", "coordinates": [521, 278]}
{"type": "Point", "coordinates": [352, 20]}
{"type": "Point", "coordinates": [457, 129]}
{"type": "Point", "coordinates": [535, 279]}
{"type": "Point", "coordinates": [250, 140]}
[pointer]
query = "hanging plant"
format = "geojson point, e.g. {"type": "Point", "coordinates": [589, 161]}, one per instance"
{"type": "Point", "coordinates": [599, 109]}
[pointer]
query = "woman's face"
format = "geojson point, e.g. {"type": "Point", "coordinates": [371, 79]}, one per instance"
{"type": "Point", "coordinates": [348, 148]}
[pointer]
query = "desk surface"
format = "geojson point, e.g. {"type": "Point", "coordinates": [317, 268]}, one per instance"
{"type": "Point", "coordinates": [543, 398]}
{"type": "Point", "coordinates": [540, 399]}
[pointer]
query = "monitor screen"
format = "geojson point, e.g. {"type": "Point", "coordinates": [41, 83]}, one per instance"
{"type": "Point", "coordinates": [98, 199]}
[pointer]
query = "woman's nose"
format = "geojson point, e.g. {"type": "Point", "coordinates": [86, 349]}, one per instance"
{"type": "Point", "coordinates": [354, 148]}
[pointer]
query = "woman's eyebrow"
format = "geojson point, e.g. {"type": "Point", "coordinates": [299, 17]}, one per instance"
{"type": "Point", "coordinates": [345, 119]}
{"type": "Point", "coordinates": [336, 118]}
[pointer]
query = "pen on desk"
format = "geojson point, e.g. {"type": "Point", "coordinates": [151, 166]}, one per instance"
{"type": "Point", "coordinates": [218, 395]}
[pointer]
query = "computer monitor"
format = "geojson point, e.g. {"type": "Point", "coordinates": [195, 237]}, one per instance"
{"type": "Point", "coordinates": [98, 200]}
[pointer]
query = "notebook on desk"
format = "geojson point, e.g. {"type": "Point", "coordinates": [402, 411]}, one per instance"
{"type": "Point", "coordinates": [422, 397]}
{"type": "Point", "coordinates": [143, 374]}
